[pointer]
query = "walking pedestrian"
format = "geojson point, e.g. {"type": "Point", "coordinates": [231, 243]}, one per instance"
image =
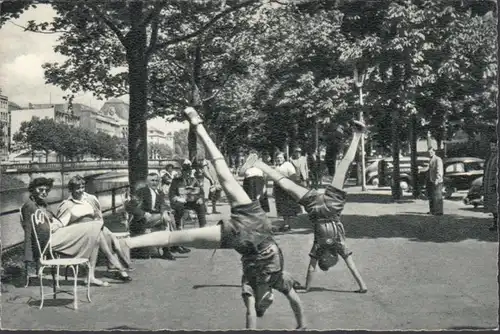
{"type": "Point", "coordinates": [286, 206]}
{"type": "Point", "coordinates": [435, 184]}
{"type": "Point", "coordinates": [490, 184]}
{"type": "Point", "coordinates": [301, 167]}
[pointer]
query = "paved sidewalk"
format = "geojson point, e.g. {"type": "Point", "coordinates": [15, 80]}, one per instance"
{"type": "Point", "coordinates": [423, 272]}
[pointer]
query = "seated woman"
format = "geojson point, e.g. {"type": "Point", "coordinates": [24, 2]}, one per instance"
{"type": "Point", "coordinates": [78, 240]}
{"type": "Point", "coordinates": [81, 214]}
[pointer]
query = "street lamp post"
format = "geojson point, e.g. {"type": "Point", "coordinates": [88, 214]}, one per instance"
{"type": "Point", "coordinates": [359, 79]}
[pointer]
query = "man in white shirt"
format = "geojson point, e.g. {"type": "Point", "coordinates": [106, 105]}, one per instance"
{"type": "Point", "coordinates": [435, 184]}
{"type": "Point", "coordinates": [300, 163]}
{"type": "Point", "coordinates": [152, 212]}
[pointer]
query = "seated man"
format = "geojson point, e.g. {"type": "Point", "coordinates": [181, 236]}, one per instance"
{"type": "Point", "coordinates": [186, 192]}
{"type": "Point", "coordinates": [150, 212]}
{"type": "Point", "coordinates": [205, 170]}
{"type": "Point", "coordinates": [166, 179]}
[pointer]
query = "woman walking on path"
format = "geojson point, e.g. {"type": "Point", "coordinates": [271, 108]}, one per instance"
{"type": "Point", "coordinates": [286, 206]}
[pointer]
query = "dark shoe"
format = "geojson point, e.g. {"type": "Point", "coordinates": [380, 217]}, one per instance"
{"type": "Point", "coordinates": [122, 276]}
{"type": "Point", "coordinates": [167, 255]}
{"type": "Point", "coordinates": [183, 250]}
{"type": "Point", "coordinates": [361, 291]}
{"type": "Point", "coordinates": [264, 303]}
{"type": "Point", "coordinates": [298, 286]}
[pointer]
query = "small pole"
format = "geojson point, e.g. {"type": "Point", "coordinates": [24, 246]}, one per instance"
{"type": "Point", "coordinates": [113, 200]}
{"type": "Point", "coordinates": [363, 167]}
{"type": "Point", "coordinates": [317, 137]}
{"type": "Point", "coordinates": [62, 180]}
{"type": "Point", "coordinates": [359, 80]}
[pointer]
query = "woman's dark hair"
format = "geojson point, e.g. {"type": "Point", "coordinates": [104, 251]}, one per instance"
{"type": "Point", "coordinates": [40, 181]}
{"type": "Point", "coordinates": [75, 182]}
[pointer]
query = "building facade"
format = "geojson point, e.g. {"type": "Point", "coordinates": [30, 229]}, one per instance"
{"type": "Point", "coordinates": [97, 122]}
{"type": "Point", "coordinates": [4, 127]}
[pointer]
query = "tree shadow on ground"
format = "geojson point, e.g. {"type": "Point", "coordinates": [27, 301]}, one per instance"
{"type": "Point", "coordinates": [472, 328]}
{"type": "Point", "coordinates": [473, 209]}
{"type": "Point", "coordinates": [195, 287]}
{"type": "Point", "coordinates": [320, 289]}
{"type": "Point", "coordinates": [418, 227]}
{"type": "Point", "coordinates": [50, 302]}
{"type": "Point", "coordinates": [19, 281]}
{"type": "Point", "coordinates": [415, 226]}
{"type": "Point", "coordinates": [376, 198]}
{"type": "Point", "coordinates": [126, 328]}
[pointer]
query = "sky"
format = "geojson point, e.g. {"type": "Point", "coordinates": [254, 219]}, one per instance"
{"type": "Point", "coordinates": [21, 57]}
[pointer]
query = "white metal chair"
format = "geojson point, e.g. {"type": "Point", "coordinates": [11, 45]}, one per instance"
{"type": "Point", "coordinates": [26, 263]}
{"type": "Point", "coordinates": [47, 259]}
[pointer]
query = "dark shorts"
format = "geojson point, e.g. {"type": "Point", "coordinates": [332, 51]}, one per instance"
{"type": "Point", "coordinates": [329, 236]}
{"type": "Point", "coordinates": [327, 205]}
{"type": "Point", "coordinates": [265, 272]}
{"type": "Point", "coordinates": [338, 247]}
{"type": "Point", "coordinates": [247, 229]}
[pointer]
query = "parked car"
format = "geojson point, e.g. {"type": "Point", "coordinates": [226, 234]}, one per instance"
{"type": "Point", "coordinates": [385, 168]}
{"type": "Point", "coordinates": [475, 195]}
{"type": "Point", "coordinates": [460, 173]}
{"type": "Point", "coordinates": [372, 172]}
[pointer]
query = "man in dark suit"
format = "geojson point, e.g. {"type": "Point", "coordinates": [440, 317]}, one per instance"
{"type": "Point", "coordinates": [187, 193]}
{"type": "Point", "coordinates": [151, 212]}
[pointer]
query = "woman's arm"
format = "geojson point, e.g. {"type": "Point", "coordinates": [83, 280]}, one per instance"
{"type": "Point", "coordinates": [96, 205]}
{"type": "Point", "coordinates": [63, 213]}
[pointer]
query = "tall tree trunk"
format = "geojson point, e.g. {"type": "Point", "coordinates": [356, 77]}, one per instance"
{"type": "Point", "coordinates": [396, 189]}
{"type": "Point", "coordinates": [138, 80]}
{"type": "Point", "coordinates": [197, 101]}
{"type": "Point", "coordinates": [413, 150]}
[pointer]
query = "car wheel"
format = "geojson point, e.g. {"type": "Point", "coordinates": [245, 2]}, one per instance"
{"type": "Point", "coordinates": [475, 205]}
{"type": "Point", "coordinates": [403, 184]}
{"type": "Point", "coordinates": [448, 192]}
{"type": "Point", "coordinates": [375, 182]}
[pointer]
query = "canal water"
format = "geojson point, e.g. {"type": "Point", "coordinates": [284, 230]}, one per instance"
{"type": "Point", "coordinates": [11, 230]}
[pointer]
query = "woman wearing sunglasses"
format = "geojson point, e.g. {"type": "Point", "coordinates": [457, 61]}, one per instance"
{"type": "Point", "coordinates": [71, 239]}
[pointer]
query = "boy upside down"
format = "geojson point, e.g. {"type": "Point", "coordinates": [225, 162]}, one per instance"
{"type": "Point", "coordinates": [248, 231]}
{"type": "Point", "coordinates": [324, 210]}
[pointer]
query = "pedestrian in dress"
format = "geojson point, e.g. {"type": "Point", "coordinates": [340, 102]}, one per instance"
{"type": "Point", "coordinates": [490, 184]}
{"type": "Point", "coordinates": [286, 206]}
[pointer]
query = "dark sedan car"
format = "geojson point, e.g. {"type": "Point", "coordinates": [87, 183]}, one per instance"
{"type": "Point", "coordinates": [460, 173]}
{"type": "Point", "coordinates": [475, 195]}
{"type": "Point", "coordinates": [385, 168]}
